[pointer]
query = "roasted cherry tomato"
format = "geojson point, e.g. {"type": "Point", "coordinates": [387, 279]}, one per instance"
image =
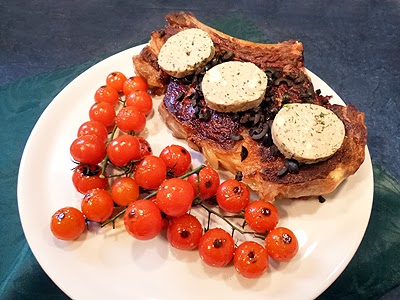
{"type": "Point", "coordinates": [175, 197]}
{"type": "Point", "coordinates": [116, 80]}
{"type": "Point", "coordinates": [124, 190]}
{"type": "Point", "coordinates": [150, 172]}
{"type": "Point", "coordinates": [206, 183]}
{"type": "Point", "coordinates": [135, 83]}
{"type": "Point", "coordinates": [86, 178]}
{"type": "Point", "coordinates": [107, 94]}
{"type": "Point", "coordinates": [143, 220]}
{"type": "Point", "coordinates": [102, 112]}
{"type": "Point", "coordinates": [67, 223]}
{"type": "Point", "coordinates": [141, 100]}
{"type": "Point", "coordinates": [130, 119]}
{"type": "Point", "coordinates": [251, 259]}
{"type": "Point", "coordinates": [145, 148]}
{"type": "Point", "coordinates": [261, 216]}
{"type": "Point", "coordinates": [93, 128]}
{"type": "Point", "coordinates": [123, 149]}
{"type": "Point", "coordinates": [216, 247]}
{"type": "Point", "coordinates": [177, 159]}
{"type": "Point", "coordinates": [88, 149]}
{"type": "Point", "coordinates": [233, 196]}
{"type": "Point", "coordinates": [281, 244]}
{"type": "Point", "coordinates": [184, 232]}
{"type": "Point", "coordinates": [97, 205]}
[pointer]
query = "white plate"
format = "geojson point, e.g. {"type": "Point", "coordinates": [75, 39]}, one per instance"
{"type": "Point", "coordinates": [112, 265]}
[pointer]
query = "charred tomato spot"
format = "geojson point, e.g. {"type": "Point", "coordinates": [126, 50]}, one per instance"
{"type": "Point", "coordinates": [217, 243]}
{"type": "Point", "coordinates": [287, 239]}
{"type": "Point", "coordinates": [208, 184]}
{"type": "Point", "coordinates": [185, 234]}
{"type": "Point", "coordinates": [265, 211]}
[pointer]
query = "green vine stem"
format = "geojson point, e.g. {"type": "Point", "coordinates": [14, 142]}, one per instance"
{"type": "Point", "coordinates": [105, 160]}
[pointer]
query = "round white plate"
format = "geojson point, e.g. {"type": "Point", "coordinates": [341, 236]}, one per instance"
{"type": "Point", "coordinates": [109, 264]}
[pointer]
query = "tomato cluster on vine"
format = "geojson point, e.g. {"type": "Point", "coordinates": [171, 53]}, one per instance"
{"type": "Point", "coordinates": [152, 192]}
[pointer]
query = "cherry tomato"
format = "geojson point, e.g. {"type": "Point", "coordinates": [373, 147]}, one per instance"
{"type": "Point", "coordinates": [251, 259]}
{"type": "Point", "coordinates": [145, 148]}
{"type": "Point", "coordinates": [134, 83]}
{"type": "Point", "coordinates": [184, 232]}
{"type": "Point", "coordinates": [116, 80]}
{"type": "Point", "coordinates": [150, 172]}
{"type": "Point", "coordinates": [88, 149]}
{"type": "Point", "coordinates": [175, 197]}
{"type": "Point", "coordinates": [97, 205]}
{"type": "Point", "coordinates": [143, 220]}
{"type": "Point", "coordinates": [67, 223]}
{"type": "Point", "coordinates": [233, 195]}
{"type": "Point", "coordinates": [102, 112]}
{"type": "Point", "coordinates": [281, 244]}
{"type": "Point", "coordinates": [123, 149]}
{"type": "Point", "coordinates": [129, 119]}
{"type": "Point", "coordinates": [124, 190]}
{"type": "Point", "coordinates": [261, 216]}
{"type": "Point", "coordinates": [177, 159]}
{"type": "Point", "coordinates": [206, 183]}
{"type": "Point", "coordinates": [93, 128]}
{"type": "Point", "coordinates": [141, 100]}
{"type": "Point", "coordinates": [86, 178]}
{"type": "Point", "coordinates": [107, 94]}
{"type": "Point", "coordinates": [216, 247]}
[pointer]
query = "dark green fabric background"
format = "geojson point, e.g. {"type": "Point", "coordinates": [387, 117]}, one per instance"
{"type": "Point", "coordinates": [373, 272]}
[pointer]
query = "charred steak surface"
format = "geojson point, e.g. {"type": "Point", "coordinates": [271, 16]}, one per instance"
{"type": "Point", "coordinates": [241, 142]}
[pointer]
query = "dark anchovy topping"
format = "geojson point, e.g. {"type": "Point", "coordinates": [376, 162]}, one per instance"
{"type": "Point", "coordinates": [244, 153]}
{"type": "Point", "coordinates": [239, 176]}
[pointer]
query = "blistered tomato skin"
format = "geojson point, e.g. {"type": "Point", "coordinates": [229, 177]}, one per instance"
{"type": "Point", "coordinates": [134, 83]}
{"type": "Point", "coordinates": [116, 80]}
{"type": "Point", "coordinates": [175, 197]}
{"type": "Point", "coordinates": [130, 119]}
{"type": "Point", "coordinates": [86, 178]}
{"type": "Point", "coordinates": [123, 149]}
{"type": "Point", "coordinates": [177, 159]}
{"type": "Point", "coordinates": [140, 100]}
{"type": "Point", "coordinates": [143, 220]}
{"type": "Point", "coordinates": [205, 185]}
{"type": "Point", "coordinates": [94, 128]}
{"type": "Point", "coordinates": [216, 247]}
{"type": "Point", "coordinates": [102, 112]}
{"type": "Point", "coordinates": [67, 223]}
{"type": "Point", "coordinates": [281, 244]}
{"type": "Point", "coordinates": [124, 191]}
{"type": "Point", "coordinates": [233, 196]}
{"type": "Point", "coordinates": [107, 94]}
{"type": "Point", "coordinates": [97, 205]}
{"type": "Point", "coordinates": [251, 259]}
{"type": "Point", "coordinates": [150, 172]}
{"type": "Point", "coordinates": [88, 149]}
{"type": "Point", "coordinates": [184, 232]}
{"type": "Point", "coordinates": [261, 216]}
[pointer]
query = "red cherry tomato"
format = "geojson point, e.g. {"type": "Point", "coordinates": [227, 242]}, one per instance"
{"type": "Point", "coordinates": [216, 247]}
{"type": "Point", "coordinates": [175, 197]}
{"type": "Point", "coordinates": [206, 183]}
{"type": "Point", "coordinates": [86, 178]}
{"type": "Point", "coordinates": [88, 149]}
{"type": "Point", "coordinates": [93, 128]}
{"type": "Point", "coordinates": [233, 196]}
{"type": "Point", "coordinates": [150, 172]}
{"type": "Point", "coordinates": [130, 119]}
{"type": "Point", "coordinates": [145, 148]}
{"type": "Point", "coordinates": [116, 80]}
{"type": "Point", "coordinates": [102, 112]}
{"type": "Point", "coordinates": [177, 159]}
{"type": "Point", "coordinates": [184, 232]}
{"type": "Point", "coordinates": [143, 220]}
{"type": "Point", "coordinates": [123, 149]}
{"type": "Point", "coordinates": [141, 100]}
{"type": "Point", "coordinates": [67, 223]}
{"type": "Point", "coordinates": [107, 94]}
{"type": "Point", "coordinates": [134, 83]}
{"type": "Point", "coordinates": [251, 259]}
{"type": "Point", "coordinates": [97, 205]}
{"type": "Point", "coordinates": [281, 244]}
{"type": "Point", "coordinates": [124, 190]}
{"type": "Point", "coordinates": [261, 216]}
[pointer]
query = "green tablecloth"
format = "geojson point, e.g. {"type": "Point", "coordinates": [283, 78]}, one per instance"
{"type": "Point", "coordinates": [374, 270]}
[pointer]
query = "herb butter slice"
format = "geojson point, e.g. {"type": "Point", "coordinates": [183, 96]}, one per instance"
{"type": "Point", "coordinates": [308, 133]}
{"type": "Point", "coordinates": [234, 86]}
{"type": "Point", "coordinates": [185, 52]}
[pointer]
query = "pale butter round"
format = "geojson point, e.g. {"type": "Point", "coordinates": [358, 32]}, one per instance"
{"type": "Point", "coordinates": [308, 133]}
